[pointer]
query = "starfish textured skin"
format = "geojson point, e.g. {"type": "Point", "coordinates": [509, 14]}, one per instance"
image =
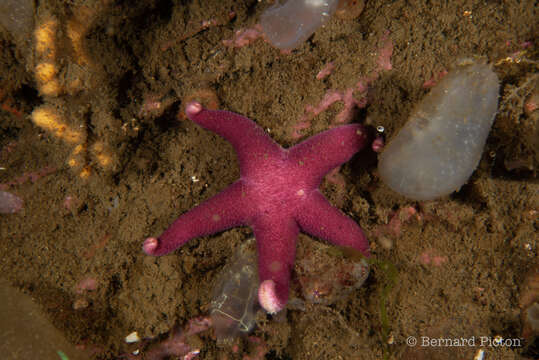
{"type": "Point", "coordinates": [276, 196]}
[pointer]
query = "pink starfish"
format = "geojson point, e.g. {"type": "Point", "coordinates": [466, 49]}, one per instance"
{"type": "Point", "coordinates": [277, 195]}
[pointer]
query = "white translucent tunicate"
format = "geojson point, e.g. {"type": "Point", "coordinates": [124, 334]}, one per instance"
{"type": "Point", "coordinates": [234, 296]}
{"type": "Point", "coordinates": [440, 146]}
{"type": "Point", "coordinates": [287, 26]}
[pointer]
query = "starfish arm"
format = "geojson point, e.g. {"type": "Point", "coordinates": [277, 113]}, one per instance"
{"type": "Point", "coordinates": [250, 141]}
{"type": "Point", "coordinates": [276, 243]}
{"type": "Point", "coordinates": [227, 209]}
{"type": "Point", "coordinates": [319, 218]}
{"type": "Point", "coordinates": [325, 151]}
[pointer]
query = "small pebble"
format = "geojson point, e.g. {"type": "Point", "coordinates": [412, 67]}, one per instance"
{"type": "Point", "coordinates": [132, 338]}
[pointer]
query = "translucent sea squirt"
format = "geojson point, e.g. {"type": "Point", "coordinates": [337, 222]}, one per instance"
{"type": "Point", "coordinates": [440, 146]}
{"type": "Point", "coordinates": [234, 301]}
{"type": "Point", "coordinates": [287, 26]}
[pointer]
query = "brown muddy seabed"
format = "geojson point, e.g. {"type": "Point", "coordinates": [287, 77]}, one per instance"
{"type": "Point", "coordinates": [93, 141]}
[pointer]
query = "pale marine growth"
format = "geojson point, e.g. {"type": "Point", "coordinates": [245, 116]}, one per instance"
{"type": "Point", "coordinates": [234, 299]}
{"type": "Point", "coordinates": [288, 25]}
{"type": "Point", "coordinates": [440, 146]}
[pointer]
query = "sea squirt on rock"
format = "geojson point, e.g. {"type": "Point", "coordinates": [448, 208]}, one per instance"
{"type": "Point", "coordinates": [440, 146]}
{"type": "Point", "coordinates": [287, 26]}
{"type": "Point", "coordinates": [234, 302]}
